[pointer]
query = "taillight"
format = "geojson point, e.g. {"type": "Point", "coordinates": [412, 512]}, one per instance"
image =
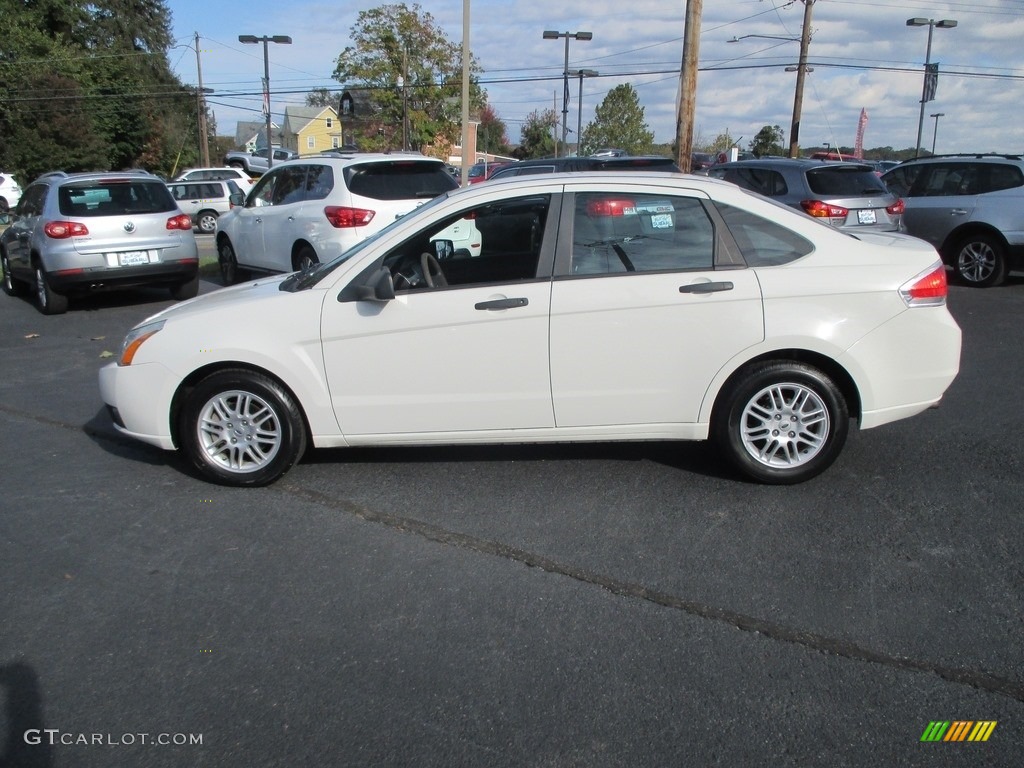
{"type": "Point", "coordinates": [896, 208]}
{"type": "Point", "coordinates": [341, 216]}
{"type": "Point", "coordinates": [61, 230]}
{"type": "Point", "coordinates": [822, 210]}
{"type": "Point", "coordinates": [610, 206]}
{"type": "Point", "coordinates": [927, 289]}
{"type": "Point", "coordinates": [181, 221]}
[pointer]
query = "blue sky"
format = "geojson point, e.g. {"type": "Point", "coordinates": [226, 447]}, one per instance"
{"type": "Point", "coordinates": [863, 54]}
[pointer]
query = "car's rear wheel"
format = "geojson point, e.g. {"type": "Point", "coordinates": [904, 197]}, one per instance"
{"type": "Point", "coordinates": [980, 260]}
{"type": "Point", "coordinates": [207, 222]}
{"type": "Point", "coordinates": [230, 272]}
{"type": "Point", "coordinates": [305, 258]}
{"type": "Point", "coordinates": [781, 422]}
{"type": "Point", "coordinates": [12, 286]}
{"type": "Point", "coordinates": [186, 290]}
{"type": "Point", "coordinates": [241, 428]}
{"type": "Point", "coordinates": [50, 302]}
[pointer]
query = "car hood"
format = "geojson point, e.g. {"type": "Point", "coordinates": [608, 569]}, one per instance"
{"type": "Point", "coordinates": [237, 295]}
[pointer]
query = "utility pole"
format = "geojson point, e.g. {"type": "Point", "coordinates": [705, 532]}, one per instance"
{"type": "Point", "coordinates": [204, 139]}
{"type": "Point", "coordinates": [465, 92]}
{"type": "Point", "coordinates": [801, 73]}
{"type": "Point", "coordinates": [688, 85]}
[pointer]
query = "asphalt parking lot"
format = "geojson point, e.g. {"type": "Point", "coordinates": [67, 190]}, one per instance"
{"type": "Point", "coordinates": [606, 605]}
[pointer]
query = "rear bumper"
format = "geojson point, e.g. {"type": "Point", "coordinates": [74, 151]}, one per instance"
{"type": "Point", "coordinates": [99, 278]}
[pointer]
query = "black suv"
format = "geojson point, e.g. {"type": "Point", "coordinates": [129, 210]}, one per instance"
{"type": "Point", "coordinates": [970, 207]}
{"type": "Point", "coordinates": [560, 164]}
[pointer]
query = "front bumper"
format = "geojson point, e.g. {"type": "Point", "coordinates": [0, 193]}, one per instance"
{"type": "Point", "coordinates": [141, 396]}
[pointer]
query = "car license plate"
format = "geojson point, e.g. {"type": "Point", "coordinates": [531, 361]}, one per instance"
{"type": "Point", "coordinates": [866, 217]}
{"type": "Point", "coordinates": [133, 258]}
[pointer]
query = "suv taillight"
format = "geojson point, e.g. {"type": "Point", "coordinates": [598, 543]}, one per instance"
{"type": "Point", "coordinates": [343, 217]}
{"type": "Point", "coordinates": [896, 208]}
{"type": "Point", "coordinates": [822, 210]}
{"type": "Point", "coordinates": [927, 289]}
{"type": "Point", "coordinates": [181, 221]}
{"type": "Point", "coordinates": [61, 230]}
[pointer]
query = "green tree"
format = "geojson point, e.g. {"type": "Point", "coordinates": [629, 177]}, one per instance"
{"type": "Point", "coordinates": [321, 97]}
{"type": "Point", "coordinates": [536, 139]}
{"type": "Point", "coordinates": [768, 141]}
{"type": "Point", "coordinates": [491, 135]}
{"type": "Point", "coordinates": [618, 122]}
{"type": "Point", "coordinates": [413, 74]}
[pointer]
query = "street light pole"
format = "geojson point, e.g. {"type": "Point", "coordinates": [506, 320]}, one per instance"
{"type": "Point", "coordinates": [935, 132]}
{"type": "Point", "coordinates": [550, 34]}
{"type": "Point", "coordinates": [931, 24]}
{"type": "Point", "coordinates": [581, 73]}
{"type": "Point", "coordinates": [265, 39]}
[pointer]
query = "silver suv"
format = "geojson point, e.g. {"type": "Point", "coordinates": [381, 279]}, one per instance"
{"type": "Point", "coordinates": [93, 231]}
{"type": "Point", "coordinates": [970, 207]}
{"type": "Point", "coordinates": [311, 209]}
{"type": "Point", "coordinates": [846, 195]}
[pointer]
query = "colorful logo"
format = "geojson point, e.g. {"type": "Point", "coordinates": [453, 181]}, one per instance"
{"type": "Point", "coordinates": [958, 730]}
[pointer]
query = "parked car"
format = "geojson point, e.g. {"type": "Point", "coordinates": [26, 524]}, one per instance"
{"type": "Point", "coordinates": [310, 210]}
{"type": "Point", "coordinates": [881, 166]}
{"type": "Point", "coordinates": [482, 171]}
{"type": "Point", "coordinates": [602, 307]}
{"type": "Point", "coordinates": [240, 177]}
{"type": "Point", "coordinates": [205, 201]}
{"type": "Point", "coordinates": [845, 195]}
{"type": "Point", "coordinates": [255, 163]}
{"type": "Point", "coordinates": [701, 161]}
{"type": "Point", "coordinates": [96, 231]}
{"type": "Point", "coordinates": [10, 192]}
{"type": "Point", "coordinates": [970, 207]}
{"type": "Point", "coordinates": [594, 163]}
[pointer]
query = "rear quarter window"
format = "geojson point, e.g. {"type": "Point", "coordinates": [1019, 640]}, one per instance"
{"type": "Point", "coordinates": [400, 180]}
{"type": "Point", "coordinates": [763, 243]}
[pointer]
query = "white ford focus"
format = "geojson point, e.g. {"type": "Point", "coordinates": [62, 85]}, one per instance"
{"type": "Point", "coordinates": [601, 307]}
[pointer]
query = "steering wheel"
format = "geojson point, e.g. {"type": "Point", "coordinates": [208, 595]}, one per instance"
{"type": "Point", "coordinates": [432, 271]}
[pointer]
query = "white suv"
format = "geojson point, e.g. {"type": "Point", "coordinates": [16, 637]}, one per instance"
{"type": "Point", "coordinates": [10, 192]}
{"type": "Point", "coordinates": [311, 209]}
{"type": "Point", "coordinates": [240, 177]}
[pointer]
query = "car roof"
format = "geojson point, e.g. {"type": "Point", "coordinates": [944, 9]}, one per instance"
{"type": "Point", "coordinates": [991, 157]}
{"type": "Point", "coordinates": [800, 163]}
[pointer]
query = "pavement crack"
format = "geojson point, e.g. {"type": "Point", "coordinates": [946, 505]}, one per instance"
{"type": "Point", "coordinates": [810, 640]}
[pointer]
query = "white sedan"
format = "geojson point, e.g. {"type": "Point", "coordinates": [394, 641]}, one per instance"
{"type": "Point", "coordinates": [601, 307]}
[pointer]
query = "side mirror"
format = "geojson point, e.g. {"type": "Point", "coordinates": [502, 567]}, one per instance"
{"type": "Point", "coordinates": [377, 287]}
{"type": "Point", "coordinates": [237, 198]}
{"type": "Point", "coordinates": [5, 218]}
{"type": "Point", "coordinates": [443, 249]}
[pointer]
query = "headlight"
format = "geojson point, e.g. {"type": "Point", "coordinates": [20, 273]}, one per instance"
{"type": "Point", "coordinates": [136, 338]}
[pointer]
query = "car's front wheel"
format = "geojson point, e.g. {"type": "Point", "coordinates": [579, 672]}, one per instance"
{"type": "Point", "coordinates": [980, 260]}
{"type": "Point", "coordinates": [12, 285]}
{"type": "Point", "coordinates": [781, 422]}
{"type": "Point", "coordinates": [50, 302]}
{"type": "Point", "coordinates": [241, 428]}
{"type": "Point", "coordinates": [230, 272]}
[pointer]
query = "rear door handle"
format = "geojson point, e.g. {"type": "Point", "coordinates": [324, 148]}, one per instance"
{"type": "Point", "coordinates": [706, 287]}
{"type": "Point", "coordinates": [501, 304]}
{"type": "Point", "coordinates": [958, 212]}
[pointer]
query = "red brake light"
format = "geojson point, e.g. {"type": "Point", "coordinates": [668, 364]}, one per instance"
{"type": "Point", "coordinates": [61, 230]}
{"type": "Point", "coordinates": [896, 208]}
{"type": "Point", "coordinates": [928, 289]}
{"type": "Point", "coordinates": [822, 210]}
{"type": "Point", "coordinates": [341, 216]}
{"type": "Point", "coordinates": [610, 206]}
{"type": "Point", "coordinates": [181, 221]}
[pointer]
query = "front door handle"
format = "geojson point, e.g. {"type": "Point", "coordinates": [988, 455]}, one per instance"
{"type": "Point", "coordinates": [501, 304]}
{"type": "Point", "coordinates": [958, 212]}
{"type": "Point", "coordinates": [706, 287]}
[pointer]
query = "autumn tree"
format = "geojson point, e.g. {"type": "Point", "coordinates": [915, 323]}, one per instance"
{"type": "Point", "coordinates": [413, 75]}
{"type": "Point", "coordinates": [491, 133]}
{"type": "Point", "coordinates": [618, 122]}
{"type": "Point", "coordinates": [768, 141]}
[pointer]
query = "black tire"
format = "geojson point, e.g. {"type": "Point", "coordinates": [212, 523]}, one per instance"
{"type": "Point", "coordinates": [237, 164]}
{"type": "Point", "coordinates": [207, 222]}
{"type": "Point", "coordinates": [12, 285]}
{"type": "Point", "coordinates": [808, 415]}
{"type": "Point", "coordinates": [305, 258]}
{"type": "Point", "coordinates": [221, 409]}
{"type": "Point", "coordinates": [980, 260]}
{"type": "Point", "coordinates": [50, 302]}
{"type": "Point", "coordinates": [186, 290]}
{"type": "Point", "coordinates": [230, 272]}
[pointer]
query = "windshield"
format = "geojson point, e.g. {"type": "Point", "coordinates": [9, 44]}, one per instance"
{"type": "Point", "coordinates": [310, 277]}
